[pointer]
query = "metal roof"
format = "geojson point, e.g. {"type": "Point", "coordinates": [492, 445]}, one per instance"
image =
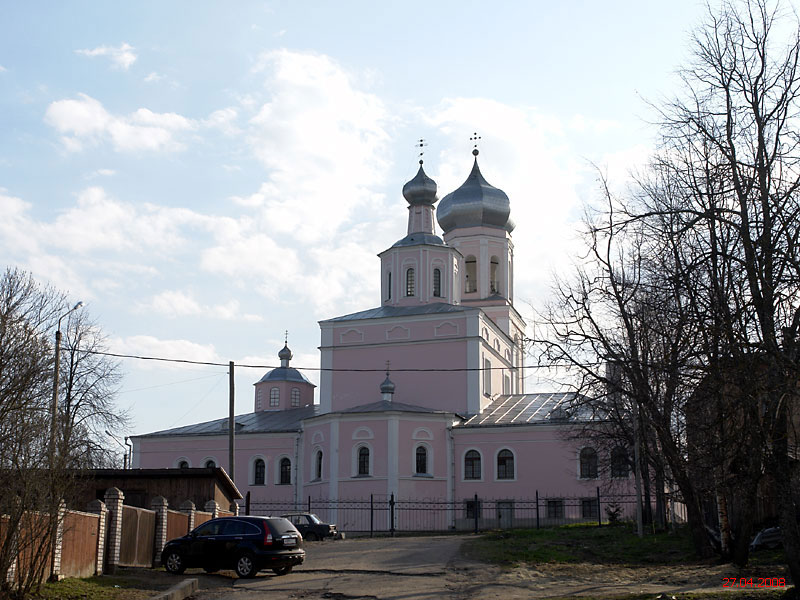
{"type": "Point", "coordinates": [414, 239]}
{"type": "Point", "coordinates": [388, 405]}
{"type": "Point", "coordinates": [526, 409]}
{"type": "Point", "coordinates": [258, 422]}
{"type": "Point", "coordinates": [285, 374]}
{"type": "Point", "coordinates": [400, 311]}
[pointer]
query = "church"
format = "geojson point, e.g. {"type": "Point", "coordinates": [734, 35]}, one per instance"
{"type": "Point", "coordinates": [421, 396]}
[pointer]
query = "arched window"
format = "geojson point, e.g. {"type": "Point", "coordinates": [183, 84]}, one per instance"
{"type": "Point", "coordinates": [421, 460]}
{"type": "Point", "coordinates": [210, 464]}
{"type": "Point", "coordinates": [487, 377]}
{"type": "Point", "coordinates": [259, 472]}
{"type": "Point", "coordinates": [183, 464]}
{"type": "Point", "coordinates": [274, 397]}
{"type": "Point", "coordinates": [620, 467]}
{"type": "Point", "coordinates": [437, 283]}
{"type": "Point", "coordinates": [588, 463]}
{"type": "Point", "coordinates": [472, 465]}
{"type": "Point", "coordinates": [363, 460]}
{"type": "Point", "coordinates": [410, 282]}
{"type": "Point", "coordinates": [494, 287]}
{"type": "Point", "coordinates": [389, 286]}
{"type": "Point", "coordinates": [318, 465]}
{"type": "Point", "coordinates": [259, 396]}
{"type": "Point", "coordinates": [295, 397]}
{"type": "Point", "coordinates": [505, 464]}
{"type": "Point", "coordinates": [286, 471]}
{"type": "Point", "coordinates": [471, 276]}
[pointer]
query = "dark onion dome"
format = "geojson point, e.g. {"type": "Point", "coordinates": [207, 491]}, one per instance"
{"type": "Point", "coordinates": [476, 203]}
{"type": "Point", "coordinates": [387, 387]}
{"type": "Point", "coordinates": [285, 353]}
{"type": "Point", "coordinates": [421, 189]}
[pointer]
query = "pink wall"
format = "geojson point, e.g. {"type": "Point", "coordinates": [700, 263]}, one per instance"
{"type": "Point", "coordinates": [442, 391]}
{"type": "Point", "coordinates": [545, 460]}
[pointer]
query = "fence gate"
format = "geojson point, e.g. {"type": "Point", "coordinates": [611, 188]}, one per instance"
{"type": "Point", "coordinates": [505, 514]}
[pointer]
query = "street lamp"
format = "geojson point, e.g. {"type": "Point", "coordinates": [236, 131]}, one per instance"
{"type": "Point", "coordinates": [125, 447]}
{"type": "Point", "coordinates": [54, 407]}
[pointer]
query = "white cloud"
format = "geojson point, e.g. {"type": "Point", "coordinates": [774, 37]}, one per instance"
{"type": "Point", "coordinates": [122, 57]}
{"type": "Point", "coordinates": [174, 303]}
{"type": "Point", "coordinates": [224, 120]}
{"type": "Point", "coordinates": [3, 69]}
{"type": "Point", "coordinates": [525, 153]}
{"type": "Point", "coordinates": [321, 139]}
{"type": "Point", "coordinates": [101, 173]}
{"type": "Point", "coordinates": [153, 77]}
{"type": "Point", "coordinates": [147, 345]}
{"type": "Point", "coordinates": [85, 120]}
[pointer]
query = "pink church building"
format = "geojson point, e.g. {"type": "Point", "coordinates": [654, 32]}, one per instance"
{"type": "Point", "coordinates": [422, 396]}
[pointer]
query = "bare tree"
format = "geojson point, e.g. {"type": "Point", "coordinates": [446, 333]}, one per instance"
{"type": "Point", "coordinates": [731, 149]}
{"type": "Point", "coordinates": [89, 383]}
{"type": "Point", "coordinates": [624, 308]}
{"type": "Point", "coordinates": [34, 480]}
{"type": "Point", "coordinates": [695, 287]}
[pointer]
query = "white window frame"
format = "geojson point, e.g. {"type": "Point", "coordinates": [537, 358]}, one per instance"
{"type": "Point", "coordinates": [354, 466]}
{"type": "Point", "coordinates": [277, 477]}
{"type": "Point", "coordinates": [497, 467]}
{"type": "Point", "coordinates": [464, 465]}
{"type": "Point", "coordinates": [429, 460]}
{"type": "Point", "coordinates": [252, 470]}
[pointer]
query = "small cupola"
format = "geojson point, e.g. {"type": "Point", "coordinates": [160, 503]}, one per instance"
{"type": "Point", "coordinates": [283, 387]}
{"type": "Point", "coordinates": [387, 388]}
{"type": "Point", "coordinates": [285, 355]}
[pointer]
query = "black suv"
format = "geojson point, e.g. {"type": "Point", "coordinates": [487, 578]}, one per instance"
{"type": "Point", "coordinates": [245, 544]}
{"type": "Point", "coordinates": [311, 526]}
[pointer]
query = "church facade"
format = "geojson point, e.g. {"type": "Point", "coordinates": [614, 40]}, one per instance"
{"type": "Point", "coordinates": [422, 396]}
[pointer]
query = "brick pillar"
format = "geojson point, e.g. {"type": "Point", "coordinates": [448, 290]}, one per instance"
{"type": "Point", "coordinates": [212, 507]}
{"type": "Point", "coordinates": [188, 508]}
{"type": "Point", "coordinates": [159, 504]}
{"type": "Point", "coordinates": [55, 565]}
{"type": "Point", "coordinates": [99, 508]}
{"type": "Point", "coordinates": [114, 499]}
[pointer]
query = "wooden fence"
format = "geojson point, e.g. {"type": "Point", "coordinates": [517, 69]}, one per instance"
{"type": "Point", "coordinates": [138, 537]}
{"type": "Point", "coordinates": [80, 544]}
{"type": "Point", "coordinates": [108, 536]}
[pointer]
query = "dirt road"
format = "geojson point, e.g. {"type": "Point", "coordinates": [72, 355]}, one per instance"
{"type": "Point", "coordinates": [431, 567]}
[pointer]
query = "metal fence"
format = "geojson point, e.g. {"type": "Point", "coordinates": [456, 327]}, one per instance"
{"type": "Point", "coordinates": [385, 514]}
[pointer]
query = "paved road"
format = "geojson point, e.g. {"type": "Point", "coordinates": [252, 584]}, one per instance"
{"type": "Point", "coordinates": [418, 568]}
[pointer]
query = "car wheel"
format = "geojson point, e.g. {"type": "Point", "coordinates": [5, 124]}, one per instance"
{"type": "Point", "coordinates": [173, 562]}
{"type": "Point", "coordinates": [283, 570]}
{"type": "Point", "coordinates": [311, 537]}
{"type": "Point", "coordinates": [245, 567]}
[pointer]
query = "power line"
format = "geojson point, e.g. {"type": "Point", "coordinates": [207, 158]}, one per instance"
{"type": "Point", "coordinates": [327, 369]}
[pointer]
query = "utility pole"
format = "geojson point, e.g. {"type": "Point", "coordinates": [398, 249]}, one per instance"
{"type": "Point", "coordinates": [231, 423]}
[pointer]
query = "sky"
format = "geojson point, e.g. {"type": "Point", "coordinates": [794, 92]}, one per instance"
{"type": "Point", "coordinates": [205, 176]}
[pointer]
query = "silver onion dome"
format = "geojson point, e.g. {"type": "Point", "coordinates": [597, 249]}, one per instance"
{"type": "Point", "coordinates": [285, 353]}
{"type": "Point", "coordinates": [421, 189]}
{"type": "Point", "coordinates": [387, 387]}
{"type": "Point", "coordinates": [476, 203]}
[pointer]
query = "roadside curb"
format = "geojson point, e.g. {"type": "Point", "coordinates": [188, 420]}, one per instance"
{"type": "Point", "coordinates": [179, 591]}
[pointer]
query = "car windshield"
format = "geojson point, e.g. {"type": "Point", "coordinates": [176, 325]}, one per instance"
{"type": "Point", "coordinates": [314, 519]}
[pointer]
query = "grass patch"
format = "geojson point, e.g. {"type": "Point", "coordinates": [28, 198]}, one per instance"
{"type": "Point", "coordinates": [113, 587]}
{"type": "Point", "coordinates": [614, 545]}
